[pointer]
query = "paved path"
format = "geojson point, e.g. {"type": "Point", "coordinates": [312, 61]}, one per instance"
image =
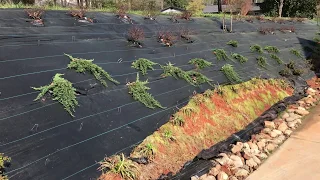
{"type": "Point", "coordinates": [298, 158]}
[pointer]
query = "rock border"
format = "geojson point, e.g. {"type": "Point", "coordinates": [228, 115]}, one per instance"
{"type": "Point", "coordinates": [246, 157]}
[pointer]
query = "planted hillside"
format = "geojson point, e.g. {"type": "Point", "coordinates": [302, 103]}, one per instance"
{"type": "Point", "coordinates": [143, 65]}
{"type": "Point", "coordinates": [138, 90]}
{"type": "Point", "coordinates": [61, 91]}
{"type": "Point", "coordinates": [84, 65]}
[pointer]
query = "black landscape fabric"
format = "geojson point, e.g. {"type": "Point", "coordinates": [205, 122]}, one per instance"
{"type": "Point", "coordinates": [45, 142]}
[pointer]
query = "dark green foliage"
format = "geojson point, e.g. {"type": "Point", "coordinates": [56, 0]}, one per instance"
{"type": "Point", "coordinates": [221, 54]}
{"type": "Point", "coordinates": [62, 91]}
{"type": "Point", "coordinates": [285, 72]}
{"type": "Point", "coordinates": [233, 43]}
{"type": "Point", "coordinates": [176, 3]}
{"type": "Point", "coordinates": [143, 65]}
{"type": "Point", "coordinates": [239, 57]}
{"type": "Point", "coordinates": [271, 49]}
{"type": "Point", "coordinates": [230, 73]}
{"type": "Point", "coordinates": [200, 63]}
{"type": "Point", "coordinates": [84, 65]}
{"type": "Point", "coordinates": [192, 77]}
{"type": "Point", "coordinates": [4, 160]}
{"type": "Point", "coordinates": [262, 61]}
{"type": "Point", "coordinates": [316, 39]}
{"type": "Point", "coordinates": [291, 8]}
{"type": "Point", "coordinates": [256, 48]}
{"type": "Point", "coordinates": [275, 57]}
{"type": "Point", "coordinates": [291, 65]}
{"type": "Point", "coordinates": [138, 90]}
{"type": "Point", "coordinates": [296, 52]}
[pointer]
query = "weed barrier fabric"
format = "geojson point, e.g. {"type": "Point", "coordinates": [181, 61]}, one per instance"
{"type": "Point", "coordinates": [45, 142]}
{"type": "Point", "coordinates": [201, 164]}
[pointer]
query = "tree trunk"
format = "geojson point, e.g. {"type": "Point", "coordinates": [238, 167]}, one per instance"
{"type": "Point", "coordinates": [224, 21]}
{"type": "Point", "coordinates": [231, 21]}
{"type": "Point", "coordinates": [219, 6]}
{"type": "Point", "coordinates": [280, 7]}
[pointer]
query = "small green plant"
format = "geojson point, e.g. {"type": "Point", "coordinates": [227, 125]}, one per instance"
{"type": "Point", "coordinates": [143, 65]}
{"type": "Point", "coordinates": [4, 161]}
{"type": "Point", "coordinates": [291, 65]}
{"type": "Point", "coordinates": [256, 48]}
{"type": "Point", "coordinates": [118, 164]}
{"type": "Point", "coordinates": [297, 72]}
{"type": "Point", "coordinates": [271, 49]}
{"type": "Point", "coordinates": [239, 57]}
{"type": "Point", "coordinates": [84, 65]}
{"type": "Point", "coordinates": [221, 54]}
{"type": "Point", "coordinates": [208, 93]}
{"type": "Point", "coordinates": [296, 53]}
{"type": "Point", "coordinates": [285, 72]}
{"type": "Point", "coordinates": [168, 134]}
{"type": "Point", "coordinates": [62, 91]}
{"type": "Point", "coordinates": [275, 57]}
{"type": "Point", "coordinates": [138, 90]}
{"type": "Point", "coordinates": [316, 39]}
{"type": "Point", "coordinates": [233, 43]}
{"type": "Point", "coordinates": [200, 63]}
{"type": "Point", "coordinates": [192, 77]}
{"type": "Point", "coordinates": [147, 151]}
{"type": "Point", "coordinates": [231, 74]}
{"type": "Point", "coordinates": [177, 120]}
{"type": "Point", "coordinates": [262, 61]}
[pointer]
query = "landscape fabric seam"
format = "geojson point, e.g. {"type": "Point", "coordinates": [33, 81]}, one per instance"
{"type": "Point", "coordinates": [93, 137]}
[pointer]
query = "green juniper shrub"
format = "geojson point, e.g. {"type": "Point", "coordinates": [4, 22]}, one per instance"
{"type": "Point", "coordinates": [138, 90]}
{"type": "Point", "coordinates": [285, 72]}
{"type": "Point", "coordinates": [296, 53]}
{"type": "Point", "coordinates": [221, 54]}
{"type": "Point", "coordinates": [231, 74]}
{"type": "Point", "coordinates": [271, 49]}
{"type": "Point", "coordinates": [84, 65]}
{"type": "Point", "coordinates": [62, 91]}
{"type": "Point", "coordinates": [256, 48]}
{"type": "Point", "coordinates": [297, 72]}
{"type": "Point", "coordinates": [262, 61]}
{"type": "Point", "coordinates": [275, 57]}
{"type": "Point", "coordinates": [143, 65]}
{"type": "Point", "coordinates": [192, 77]}
{"type": "Point", "coordinates": [291, 65]}
{"type": "Point", "coordinates": [233, 43]}
{"type": "Point", "coordinates": [200, 63]}
{"type": "Point", "coordinates": [239, 57]}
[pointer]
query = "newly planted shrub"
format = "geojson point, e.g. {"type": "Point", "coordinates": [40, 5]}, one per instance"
{"type": "Point", "coordinates": [4, 163]}
{"type": "Point", "coordinates": [262, 61]}
{"type": "Point", "coordinates": [239, 57]}
{"type": "Point", "coordinates": [233, 43]}
{"type": "Point", "coordinates": [231, 74]}
{"type": "Point", "coordinates": [168, 134]}
{"type": "Point", "coordinates": [297, 72]}
{"type": "Point", "coordinates": [265, 31]}
{"type": "Point", "coordinates": [138, 90]}
{"type": "Point", "coordinates": [143, 65]}
{"type": "Point", "coordinates": [200, 63]}
{"type": "Point", "coordinates": [135, 34]}
{"type": "Point", "coordinates": [147, 151]}
{"type": "Point", "coordinates": [186, 15]}
{"type": "Point", "coordinates": [118, 164]}
{"type": "Point", "coordinates": [177, 120]}
{"type": "Point", "coordinates": [192, 77]}
{"type": "Point", "coordinates": [167, 38]}
{"type": "Point", "coordinates": [275, 57]}
{"type": "Point", "coordinates": [221, 54]}
{"type": "Point", "coordinates": [35, 13]}
{"type": "Point", "coordinates": [62, 91]}
{"type": "Point", "coordinates": [271, 49]}
{"type": "Point", "coordinates": [285, 72]}
{"type": "Point", "coordinates": [256, 48]}
{"type": "Point", "coordinates": [80, 13]}
{"type": "Point", "coordinates": [84, 65]}
{"type": "Point", "coordinates": [291, 65]}
{"type": "Point", "coordinates": [296, 52]}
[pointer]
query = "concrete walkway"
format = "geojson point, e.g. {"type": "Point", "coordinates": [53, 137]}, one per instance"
{"type": "Point", "coordinates": [298, 158]}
